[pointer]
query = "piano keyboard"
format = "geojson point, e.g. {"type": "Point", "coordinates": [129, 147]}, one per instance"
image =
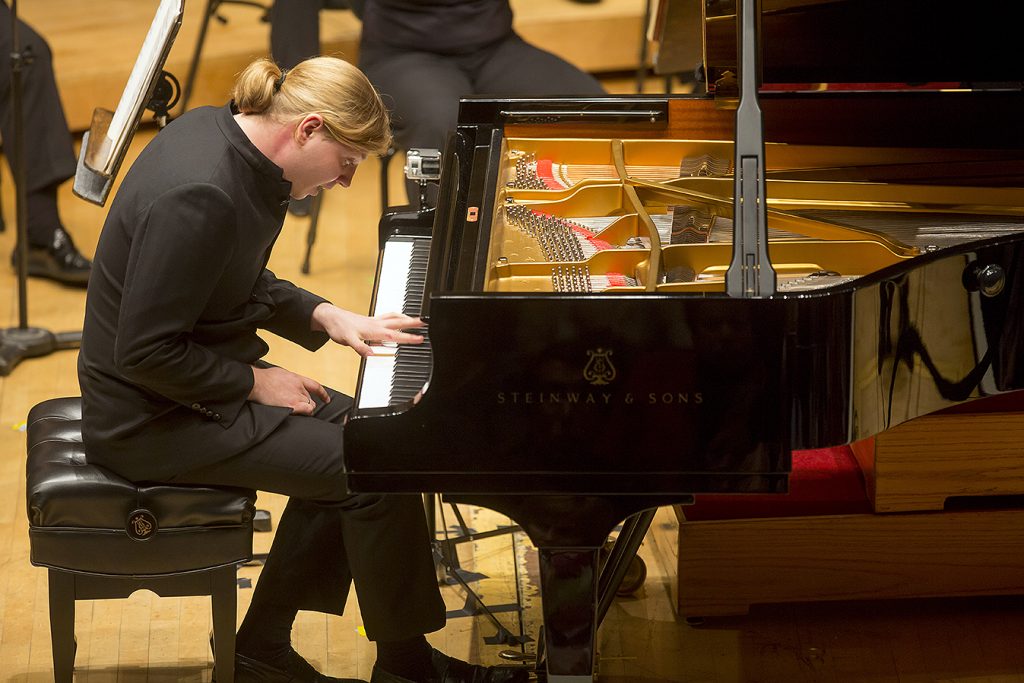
{"type": "Point", "coordinates": [396, 373]}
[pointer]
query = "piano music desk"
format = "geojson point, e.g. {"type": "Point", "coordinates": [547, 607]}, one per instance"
{"type": "Point", "coordinates": [942, 514]}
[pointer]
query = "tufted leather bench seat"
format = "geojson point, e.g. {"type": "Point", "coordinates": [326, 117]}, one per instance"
{"type": "Point", "coordinates": [102, 536]}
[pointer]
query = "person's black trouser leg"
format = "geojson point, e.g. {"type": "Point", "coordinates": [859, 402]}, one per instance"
{"type": "Point", "coordinates": [328, 538]}
{"type": "Point", "coordinates": [49, 154]}
{"type": "Point", "coordinates": [294, 31]}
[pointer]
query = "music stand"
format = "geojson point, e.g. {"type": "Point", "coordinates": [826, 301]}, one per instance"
{"type": "Point", "coordinates": [98, 163]}
{"type": "Point", "coordinates": [149, 87]}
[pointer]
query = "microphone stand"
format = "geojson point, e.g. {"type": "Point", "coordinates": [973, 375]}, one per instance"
{"type": "Point", "coordinates": [18, 343]}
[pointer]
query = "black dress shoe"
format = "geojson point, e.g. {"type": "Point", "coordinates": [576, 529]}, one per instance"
{"type": "Point", "coordinates": [297, 670]}
{"type": "Point", "coordinates": [59, 261]}
{"type": "Point", "coordinates": [450, 670]}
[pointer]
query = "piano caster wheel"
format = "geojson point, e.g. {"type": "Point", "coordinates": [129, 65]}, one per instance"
{"type": "Point", "coordinates": [694, 622]}
{"type": "Point", "coordinates": [634, 579]}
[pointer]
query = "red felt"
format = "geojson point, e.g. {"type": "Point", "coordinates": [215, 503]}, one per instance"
{"type": "Point", "coordinates": [824, 481]}
{"type": "Point", "coordinates": [547, 174]}
{"type": "Point", "coordinates": [616, 279]}
{"type": "Point", "coordinates": [582, 231]}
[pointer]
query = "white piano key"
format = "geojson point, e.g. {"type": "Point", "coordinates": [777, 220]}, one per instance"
{"type": "Point", "coordinates": [394, 272]}
{"type": "Point", "coordinates": [375, 388]}
{"type": "Point", "coordinates": [398, 289]}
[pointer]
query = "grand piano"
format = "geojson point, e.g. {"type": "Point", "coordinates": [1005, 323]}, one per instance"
{"type": "Point", "coordinates": [619, 320]}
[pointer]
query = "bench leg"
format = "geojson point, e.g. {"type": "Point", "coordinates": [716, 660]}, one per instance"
{"type": "Point", "coordinates": [224, 599]}
{"type": "Point", "coordinates": [62, 624]}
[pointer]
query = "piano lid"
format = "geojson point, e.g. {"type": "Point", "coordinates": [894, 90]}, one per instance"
{"type": "Point", "coordinates": [866, 44]}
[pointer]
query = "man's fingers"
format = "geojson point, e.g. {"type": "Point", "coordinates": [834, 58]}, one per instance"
{"type": "Point", "coordinates": [304, 406]}
{"type": "Point", "coordinates": [406, 338]}
{"type": "Point", "coordinates": [362, 348]}
{"type": "Point", "coordinates": [315, 388]}
{"type": "Point", "coordinates": [397, 321]}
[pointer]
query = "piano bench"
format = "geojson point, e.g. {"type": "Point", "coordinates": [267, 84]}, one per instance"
{"type": "Point", "coordinates": [824, 541]}
{"type": "Point", "coordinates": [101, 536]}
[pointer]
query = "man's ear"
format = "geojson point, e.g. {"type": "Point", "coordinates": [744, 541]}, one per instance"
{"type": "Point", "coordinates": [307, 127]}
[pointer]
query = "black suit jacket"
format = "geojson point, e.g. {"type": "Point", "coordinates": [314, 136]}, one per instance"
{"type": "Point", "coordinates": [178, 290]}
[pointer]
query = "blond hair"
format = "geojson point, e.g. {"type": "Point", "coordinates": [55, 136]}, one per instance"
{"type": "Point", "coordinates": [352, 110]}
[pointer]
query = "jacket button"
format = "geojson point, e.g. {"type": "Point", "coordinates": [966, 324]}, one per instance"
{"type": "Point", "coordinates": [196, 406]}
{"type": "Point", "coordinates": [216, 416]}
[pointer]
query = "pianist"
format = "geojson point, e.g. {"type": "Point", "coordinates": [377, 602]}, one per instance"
{"type": "Point", "coordinates": [174, 388]}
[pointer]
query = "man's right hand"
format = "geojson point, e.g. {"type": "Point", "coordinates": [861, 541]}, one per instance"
{"type": "Point", "coordinates": [275, 386]}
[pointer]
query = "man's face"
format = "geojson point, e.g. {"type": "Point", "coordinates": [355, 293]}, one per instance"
{"type": "Point", "coordinates": [322, 163]}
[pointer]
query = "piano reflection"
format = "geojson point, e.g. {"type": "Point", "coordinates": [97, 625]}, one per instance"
{"type": "Point", "coordinates": [614, 326]}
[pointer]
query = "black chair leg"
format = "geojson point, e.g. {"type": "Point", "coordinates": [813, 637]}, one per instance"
{"type": "Point", "coordinates": [224, 601]}
{"type": "Point", "coordinates": [314, 219]}
{"type": "Point", "coordinates": [62, 624]}
{"type": "Point", "coordinates": [193, 67]}
{"type": "Point", "coordinates": [385, 162]}
{"type": "Point", "coordinates": [210, 13]}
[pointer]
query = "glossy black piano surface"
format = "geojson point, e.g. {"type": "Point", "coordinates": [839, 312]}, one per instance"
{"type": "Point", "coordinates": [662, 383]}
{"type": "Point", "coordinates": [570, 402]}
{"type": "Point", "coordinates": [585, 361]}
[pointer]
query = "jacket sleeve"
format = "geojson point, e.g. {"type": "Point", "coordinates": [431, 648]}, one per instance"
{"type": "Point", "coordinates": [293, 311]}
{"type": "Point", "coordinates": [179, 251]}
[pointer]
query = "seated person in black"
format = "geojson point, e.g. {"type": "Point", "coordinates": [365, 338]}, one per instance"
{"type": "Point", "coordinates": [49, 157]}
{"type": "Point", "coordinates": [174, 388]}
{"type": "Point", "coordinates": [423, 55]}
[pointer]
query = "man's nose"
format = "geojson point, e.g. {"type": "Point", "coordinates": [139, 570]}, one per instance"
{"type": "Point", "coordinates": [345, 179]}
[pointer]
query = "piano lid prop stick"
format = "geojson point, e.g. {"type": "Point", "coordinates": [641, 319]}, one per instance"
{"type": "Point", "coordinates": [750, 273]}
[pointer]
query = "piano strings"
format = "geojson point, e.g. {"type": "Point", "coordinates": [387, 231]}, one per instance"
{"type": "Point", "coordinates": [580, 218]}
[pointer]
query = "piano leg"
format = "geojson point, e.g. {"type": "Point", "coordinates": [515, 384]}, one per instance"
{"type": "Point", "coordinates": [569, 579]}
{"type": "Point", "coordinates": [569, 532]}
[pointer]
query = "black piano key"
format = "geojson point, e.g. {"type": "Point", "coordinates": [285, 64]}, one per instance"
{"type": "Point", "coordinates": [413, 361]}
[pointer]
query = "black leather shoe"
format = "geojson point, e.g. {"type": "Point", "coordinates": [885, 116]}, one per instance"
{"type": "Point", "coordinates": [60, 261]}
{"type": "Point", "coordinates": [298, 670]}
{"type": "Point", "coordinates": [450, 670]}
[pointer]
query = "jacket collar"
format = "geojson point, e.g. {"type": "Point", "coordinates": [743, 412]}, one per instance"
{"type": "Point", "coordinates": [272, 175]}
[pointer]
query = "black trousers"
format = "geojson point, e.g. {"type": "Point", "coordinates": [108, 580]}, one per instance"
{"type": "Point", "coordinates": [295, 28]}
{"type": "Point", "coordinates": [294, 31]}
{"type": "Point", "coordinates": [423, 88]}
{"type": "Point", "coordinates": [49, 152]}
{"type": "Point", "coordinates": [328, 539]}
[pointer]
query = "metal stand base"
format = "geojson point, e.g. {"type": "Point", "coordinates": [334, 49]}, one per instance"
{"type": "Point", "coordinates": [450, 571]}
{"type": "Point", "coordinates": [19, 343]}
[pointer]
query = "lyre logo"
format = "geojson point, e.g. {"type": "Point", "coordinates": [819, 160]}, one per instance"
{"type": "Point", "coordinates": [599, 369]}
{"type": "Point", "coordinates": [141, 525]}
